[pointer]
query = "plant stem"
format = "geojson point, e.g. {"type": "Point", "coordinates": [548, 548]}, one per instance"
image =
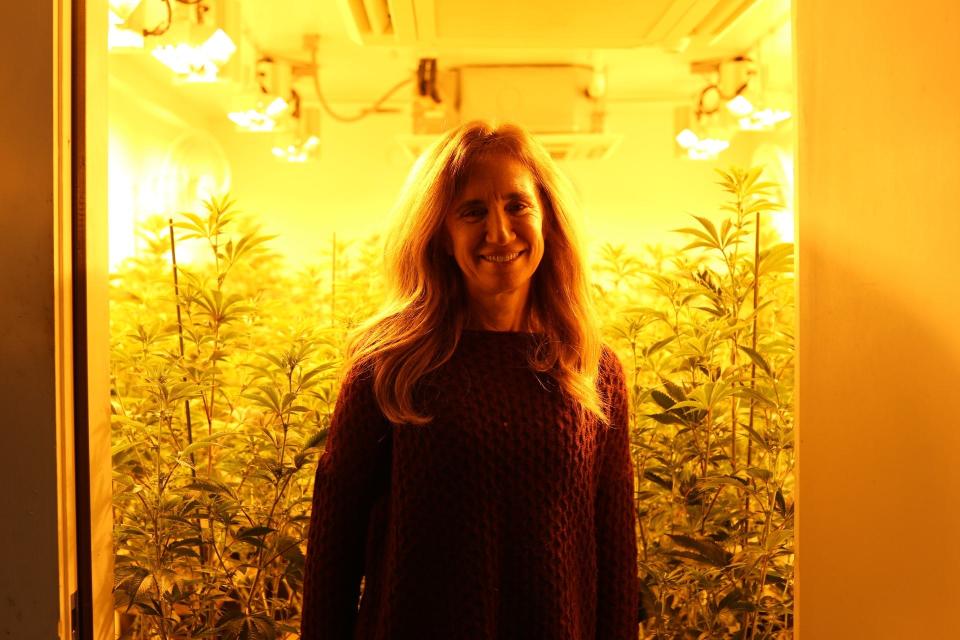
{"type": "Point", "coordinates": [333, 283]}
{"type": "Point", "coordinates": [753, 345]}
{"type": "Point", "coordinates": [201, 551]}
{"type": "Point", "coordinates": [176, 294]}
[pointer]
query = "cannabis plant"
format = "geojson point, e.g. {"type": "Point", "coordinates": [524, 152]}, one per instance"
{"type": "Point", "coordinates": [224, 379]}
{"type": "Point", "coordinates": [706, 335]}
{"type": "Point", "coordinates": [223, 383]}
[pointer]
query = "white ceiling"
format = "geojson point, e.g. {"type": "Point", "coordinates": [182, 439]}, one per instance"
{"type": "Point", "coordinates": [352, 72]}
{"type": "Point", "coordinates": [356, 74]}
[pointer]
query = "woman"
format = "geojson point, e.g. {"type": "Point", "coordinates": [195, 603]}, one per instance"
{"type": "Point", "coordinates": [477, 475]}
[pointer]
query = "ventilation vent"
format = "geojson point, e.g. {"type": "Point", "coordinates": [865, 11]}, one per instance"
{"type": "Point", "coordinates": [529, 24]}
{"type": "Point", "coordinates": [372, 22]}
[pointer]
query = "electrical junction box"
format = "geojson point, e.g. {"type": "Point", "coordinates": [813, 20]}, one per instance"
{"type": "Point", "coordinates": [544, 99]}
{"type": "Point", "coordinates": [560, 104]}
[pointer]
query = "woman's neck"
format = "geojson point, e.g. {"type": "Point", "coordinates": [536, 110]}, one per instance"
{"type": "Point", "coordinates": [500, 317]}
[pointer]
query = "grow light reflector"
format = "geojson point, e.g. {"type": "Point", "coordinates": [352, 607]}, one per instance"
{"type": "Point", "coordinates": [298, 151]}
{"type": "Point", "coordinates": [259, 117]}
{"type": "Point", "coordinates": [763, 119]}
{"type": "Point", "coordinates": [197, 63]}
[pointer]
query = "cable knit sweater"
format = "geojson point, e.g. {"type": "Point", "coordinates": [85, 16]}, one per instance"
{"type": "Point", "coordinates": [506, 517]}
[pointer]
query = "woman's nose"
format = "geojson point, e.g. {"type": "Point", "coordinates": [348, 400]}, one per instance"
{"type": "Point", "coordinates": [499, 228]}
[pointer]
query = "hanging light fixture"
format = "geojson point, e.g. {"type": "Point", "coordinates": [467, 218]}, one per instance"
{"type": "Point", "coordinates": [763, 119]}
{"type": "Point", "coordinates": [732, 101]}
{"type": "Point", "coordinates": [301, 141]}
{"type": "Point", "coordinates": [696, 139]}
{"type": "Point", "coordinates": [125, 30]}
{"type": "Point", "coordinates": [190, 43]}
{"type": "Point", "coordinates": [199, 56]}
{"type": "Point", "coordinates": [260, 113]}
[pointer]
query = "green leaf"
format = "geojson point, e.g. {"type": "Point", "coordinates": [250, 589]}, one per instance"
{"type": "Point", "coordinates": [206, 441]}
{"type": "Point", "coordinates": [254, 532]}
{"type": "Point", "coordinates": [760, 473]}
{"type": "Point", "coordinates": [207, 486]}
{"type": "Point", "coordinates": [317, 439]}
{"type": "Point", "coordinates": [666, 418]}
{"type": "Point", "coordinates": [756, 396]}
{"type": "Point", "coordinates": [675, 391]}
{"type": "Point", "coordinates": [662, 399]}
{"type": "Point", "coordinates": [781, 504]}
{"type": "Point", "coordinates": [712, 230]}
{"type": "Point", "coordinates": [757, 359]}
{"type": "Point", "coordinates": [657, 346]}
{"type": "Point", "coordinates": [708, 550]}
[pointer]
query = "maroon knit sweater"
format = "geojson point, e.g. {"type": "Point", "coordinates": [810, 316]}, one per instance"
{"type": "Point", "coordinates": [506, 517]}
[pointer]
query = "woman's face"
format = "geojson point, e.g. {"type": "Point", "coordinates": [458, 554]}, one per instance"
{"type": "Point", "coordinates": [494, 230]}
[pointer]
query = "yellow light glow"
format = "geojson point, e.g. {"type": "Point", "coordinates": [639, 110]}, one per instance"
{"type": "Point", "coordinates": [276, 107]}
{"type": "Point", "coordinates": [186, 61]}
{"type": "Point", "coordinates": [763, 119]}
{"type": "Point", "coordinates": [700, 148]}
{"type": "Point", "coordinates": [123, 39]}
{"type": "Point", "coordinates": [120, 38]}
{"type": "Point", "coordinates": [259, 117]}
{"type": "Point", "coordinates": [298, 150]}
{"type": "Point", "coordinates": [218, 47]}
{"type": "Point", "coordinates": [687, 138]}
{"type": "Point", "coordinates": [197, 63]}
{"type": "Point", "coordinates": [123, 8]}
{"type": "Point", "coordinates": [707, 149]}
{"type": "Point", "coordinates": [740, 106]}
{"type": "Point", "coordinates": [122, 211]}
{"type": "Point", "coordinates": [782, 222]}
{"type": "Point", "coordinates": [252, 120]}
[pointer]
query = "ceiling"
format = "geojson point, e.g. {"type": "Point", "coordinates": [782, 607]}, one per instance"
{"type": "Point", "coordinates": [665, 36]}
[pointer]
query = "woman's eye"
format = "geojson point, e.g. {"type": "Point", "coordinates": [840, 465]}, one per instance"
{"type": "Point", "coordinates": [517, 207]}
{"type": "Point", "coordinates": [473, 213]}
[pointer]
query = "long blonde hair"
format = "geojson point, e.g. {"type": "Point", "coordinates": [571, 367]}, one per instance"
{"type": "Point", "coordinates": [421, 323]}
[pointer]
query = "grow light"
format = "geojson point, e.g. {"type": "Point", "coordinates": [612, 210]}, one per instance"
{"type": "Point", "coordinates": [197, 63]}
{"type": "Point", "coordinates": [298, 151]}
{"type": "Point", "coordinates": [763, 119]}
{"type": "Point", "coordinates": [259, 117]}
{"type": "Point", "coordinates": [119, 37]}
{"type": "Point", "coordinates": [739, 106]}
{"type": "Point", "coordinates": [698, 148]}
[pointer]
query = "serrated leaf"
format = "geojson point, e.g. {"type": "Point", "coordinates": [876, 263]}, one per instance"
{"type": "Point", "coordinates": [662, 399]}
{"type": "Point", "coordinates": [757, 359]}
{"type": "Point", "coordinates": [707, 548]}
{"type": "Point", "coordinates": [254, 532]}
{"type": "Point", "coordinates": [751, 394]}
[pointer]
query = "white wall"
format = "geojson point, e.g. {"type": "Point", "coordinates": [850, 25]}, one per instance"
{"type": "Point", "coordinates": [879, 299]}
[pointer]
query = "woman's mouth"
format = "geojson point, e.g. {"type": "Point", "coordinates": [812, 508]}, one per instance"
{"type": "Point", "coordinates": [502, 257]}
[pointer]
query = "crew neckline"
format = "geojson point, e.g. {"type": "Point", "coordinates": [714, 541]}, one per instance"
{"type": "Point", "coordinates": [495, 332]}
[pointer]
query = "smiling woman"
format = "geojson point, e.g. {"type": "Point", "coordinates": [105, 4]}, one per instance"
{"type": "Point", "coordinates": [495, 234]}
{"type": "Point", "coordinates": [477, 476]}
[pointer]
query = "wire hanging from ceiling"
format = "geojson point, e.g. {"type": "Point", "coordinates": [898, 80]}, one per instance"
{"type": "Point", "coordinates": [363, 113]}
{"type": "Point", "coordinates": [162, 28]}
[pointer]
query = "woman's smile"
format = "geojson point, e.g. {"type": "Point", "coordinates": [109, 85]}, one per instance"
{"type": "Point", "coordinates": [502, 258]}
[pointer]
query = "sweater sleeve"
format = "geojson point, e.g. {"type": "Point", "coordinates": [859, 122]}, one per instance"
{"type": "Point", "coordinates": [345, 488]}
{"type": "Point", "coordinates": [617, 585]}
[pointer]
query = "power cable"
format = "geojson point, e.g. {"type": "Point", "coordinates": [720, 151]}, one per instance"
{"type": "Point", "coordinates": [363, 113]}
